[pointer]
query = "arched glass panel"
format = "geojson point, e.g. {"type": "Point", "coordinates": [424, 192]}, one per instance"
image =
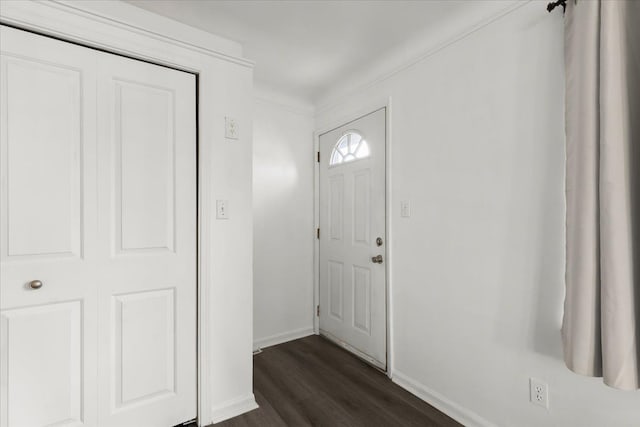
{"type": "Point", "coordinates": [351, 146]}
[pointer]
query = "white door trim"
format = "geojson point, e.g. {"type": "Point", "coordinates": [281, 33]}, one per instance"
{"type": "Point", "coordinates": [162, 41]}
{"type": "Point", "coordinates": [350, 116]}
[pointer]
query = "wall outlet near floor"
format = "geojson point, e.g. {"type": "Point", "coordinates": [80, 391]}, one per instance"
{"type": "Point", "coordinates": [539, 392]}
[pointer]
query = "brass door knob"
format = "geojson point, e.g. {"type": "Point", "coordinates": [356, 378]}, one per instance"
{"type": "Point", "coordinates": [35, 284]}
{"type": "Point", "coordinates": [377, 259]}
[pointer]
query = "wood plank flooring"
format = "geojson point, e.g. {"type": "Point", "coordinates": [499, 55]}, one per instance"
{"type": "Point", "coordinates": [312, 382]}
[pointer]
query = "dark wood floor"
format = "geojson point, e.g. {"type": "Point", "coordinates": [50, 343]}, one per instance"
{"type": "Point", "coordinates": [312, 382]}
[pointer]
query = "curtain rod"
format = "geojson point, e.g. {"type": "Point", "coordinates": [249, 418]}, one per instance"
{"type": "Point", "coordinates": [557, 3]}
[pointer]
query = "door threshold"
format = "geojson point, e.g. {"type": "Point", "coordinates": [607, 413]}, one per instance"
{"type": "Point", "coordinates": [351, 349]}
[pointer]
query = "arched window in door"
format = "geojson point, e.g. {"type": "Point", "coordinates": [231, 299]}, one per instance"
{"type": "Point", "coordinates": [350, 147]}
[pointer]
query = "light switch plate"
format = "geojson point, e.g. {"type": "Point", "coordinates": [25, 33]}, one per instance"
{"type": "Point", "coordinates": [222, 209]}
{"type": "Point", "coordinates": [405, 209]}
{"type": "Point", "coordinates": [231, 128]}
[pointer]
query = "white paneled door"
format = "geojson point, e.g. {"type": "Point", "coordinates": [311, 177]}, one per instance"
{"type": "Point", "coordinates": [353, 237]}
{"type": "Point", "coordinates": [98, 238]}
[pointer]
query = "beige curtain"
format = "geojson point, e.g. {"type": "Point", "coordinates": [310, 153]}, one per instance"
{"type": "Point", "coordinates": [601, 327]}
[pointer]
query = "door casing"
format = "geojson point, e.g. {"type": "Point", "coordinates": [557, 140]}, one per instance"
{"type": "Point", "coordinates": [72, 24]}
{"type": "Point", "coordinates": [339, 121]}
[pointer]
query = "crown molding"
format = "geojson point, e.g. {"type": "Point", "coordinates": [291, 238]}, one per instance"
{"type": "Point", "coordinates": [265, 95]}
{"type": "Point", "coordinates": [52, 18]}
{"type": "Point", "coordinates": [389, 66]}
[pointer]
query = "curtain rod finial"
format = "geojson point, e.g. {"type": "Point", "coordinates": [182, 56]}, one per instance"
{"type": "Point", "coordinates": [557, 3]}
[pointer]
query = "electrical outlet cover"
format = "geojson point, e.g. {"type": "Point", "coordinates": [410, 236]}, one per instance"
{"type": "Point", "coordinates": [231, 128]}
{"type": "Point", "coordinates": [539, 392]}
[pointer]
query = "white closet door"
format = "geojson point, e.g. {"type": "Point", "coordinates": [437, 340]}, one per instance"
{"type": "Point", "coordinates": [147, 240]}
{"type": "Point", "coordinates": [98, 192]}
{"type": "Point", "coordinates": [48, 342]}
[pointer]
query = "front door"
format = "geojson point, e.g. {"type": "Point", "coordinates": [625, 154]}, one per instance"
{"type": "Point", "coordinates": [353, 237]}
{"type": "Point", "coordinates": [98, 238]}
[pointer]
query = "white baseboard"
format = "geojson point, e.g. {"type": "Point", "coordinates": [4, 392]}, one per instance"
{"type": "Point", "coordinates": [462, 415]}
{"type": "Point", "coordinates": [282, 338]}
{"type": "Point", "coordinates": [233, 408]}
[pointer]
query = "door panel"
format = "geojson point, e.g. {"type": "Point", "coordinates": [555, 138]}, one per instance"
{"type": "Point", "coordinates": [144, 346]}
{"type": "Point", "coordinates": [362, 208]}
{"type": "Point", "coordinates": [352, 211]}
{"type": "Point", "coordinates": [98, 192]}
{"type": "Point", "coordinates": [55, 381]}
{"type": "Point", "coordinates": [362, 299]}
{"type": "Point", "coordinates": [53, 129]}
{"type": "Point", "coordinates": [47, 218]}
{"type": "Point", "coordinates": [336, 206]}
{"type": "Point", "coordinates": [147, 238]}
{"type": "Point", "coordinates": [144, 140]}
{"type": "Point", "coordinates": [336, 289]}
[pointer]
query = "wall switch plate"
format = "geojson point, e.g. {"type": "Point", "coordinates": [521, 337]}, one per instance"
{"type": "Point", "coordinates": [405, 209]}
{"type": "Point", "coordinates": [539, 392]}
{"type": "Point", "coordinates": [231, 128]}
{"type": "Point", "coordinates": [222, 209]}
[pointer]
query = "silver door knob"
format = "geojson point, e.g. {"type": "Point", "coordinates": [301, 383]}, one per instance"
{"type": "Point", "coordinates": [377, 259]}
{"type": "Point", "coordinates": [35, 284]}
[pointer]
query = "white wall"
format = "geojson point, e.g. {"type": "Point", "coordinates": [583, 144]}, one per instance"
{"type": "Point", "coordinates": [283, 219]}
{"type": "Point", "coordinates": [230, 294]}
{"type": "Point", "coordinates": [477, 273]}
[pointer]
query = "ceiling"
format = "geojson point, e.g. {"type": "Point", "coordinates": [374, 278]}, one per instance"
{"type": "Point", "coordinates": [303, 48]}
